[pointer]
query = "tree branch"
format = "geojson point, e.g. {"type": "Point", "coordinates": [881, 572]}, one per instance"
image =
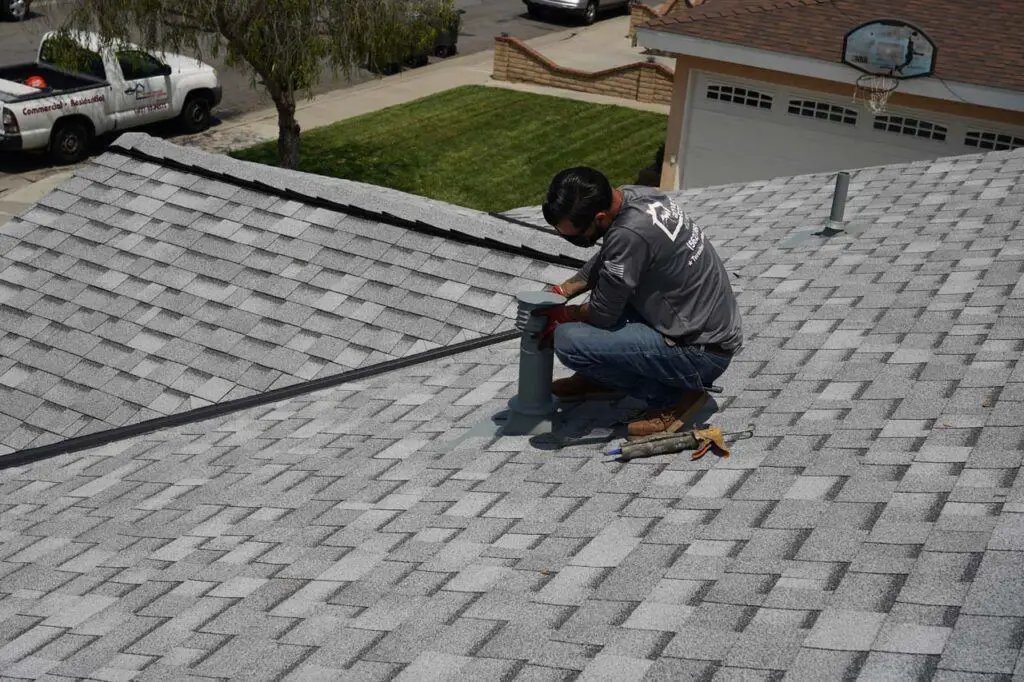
{"type": "Point", "coordinates": [190, 27]}
{"type": "Point", "coordinates": [192, 22]}
{"type": "Point", "coordinates": [285, 45]}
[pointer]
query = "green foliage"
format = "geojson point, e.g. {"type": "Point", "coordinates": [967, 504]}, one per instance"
{"type": "Point", "coordinates": [481, 147]}
{"type": "Point", "coordinates": [67, 54]}
{"type": "Point", "coordinates": [285, 44]}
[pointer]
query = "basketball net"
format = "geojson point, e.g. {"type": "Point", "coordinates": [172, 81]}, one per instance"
{"type": "Point", "coordinates": [874, 90]}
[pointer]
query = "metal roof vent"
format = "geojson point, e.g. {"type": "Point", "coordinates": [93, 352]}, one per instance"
{"type": "Point", "coordinates": [835, 219]}
{"type": "Point", "coordinates": [532, 410]}
{"type": "Point", "coordinates": [836, 224]}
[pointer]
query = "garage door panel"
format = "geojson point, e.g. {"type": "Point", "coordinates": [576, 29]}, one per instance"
{"type": "Point", "coordinates": [705, 168]}
{"type": "Point", "coordinates": [749, 130]}
{"type": "Point", "coordinates": [726, 149]}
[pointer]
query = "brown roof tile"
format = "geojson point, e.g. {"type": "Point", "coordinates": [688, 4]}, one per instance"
{"type": "Point", "coordinates": [982, 47]}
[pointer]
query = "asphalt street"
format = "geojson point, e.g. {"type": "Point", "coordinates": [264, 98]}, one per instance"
{"type": "Point", "coordinates": [482, 21]}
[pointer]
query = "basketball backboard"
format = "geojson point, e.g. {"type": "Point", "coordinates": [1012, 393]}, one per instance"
{"type": "Point", "coordinates": [890, 46]}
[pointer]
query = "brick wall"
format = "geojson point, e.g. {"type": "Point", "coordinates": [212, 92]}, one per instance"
{"type": "Point", "coordinates": [516, 62]}
{"type": "Point", "coordinates": [640, 13]}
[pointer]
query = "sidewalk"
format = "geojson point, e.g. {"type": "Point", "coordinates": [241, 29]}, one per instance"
{"type": "Point", "coordinates": [590, 48]}
{"type": "Point", "coordinates": [604, 45]}
{"type": "Point", "coordinates": [18, 200]}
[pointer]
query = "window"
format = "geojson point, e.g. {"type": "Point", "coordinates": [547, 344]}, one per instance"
{"type": "Point", "coordinates": [137, 65]}
{"type": "Point", "coordinates": [67, 55]}
{"type": "Point", "coordinates": [911, 126]}
{"type": "Point", "coordinates": [993, 141]}
{"type": "Point", "coordinates": [823, 111]}
{"type": "Point", "coordinates": [737, 95]}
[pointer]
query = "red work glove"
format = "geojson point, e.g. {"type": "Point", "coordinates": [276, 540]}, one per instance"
{"type": "Point", "coordinates": [556, 314]}
{"type": "Point", "coordinates": [556, 289]}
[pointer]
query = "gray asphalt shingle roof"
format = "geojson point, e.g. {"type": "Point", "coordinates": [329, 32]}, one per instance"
{"type": "Point", "coordinates": [137, 290]}
{"type": "Point", "coordinates": [873, 528]}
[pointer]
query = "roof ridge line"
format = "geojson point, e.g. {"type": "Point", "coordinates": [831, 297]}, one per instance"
{"type": "Point", "coordinates": [516, 221]}
{"type": "Point", "coordinates": [760, 8]}
{"type": "Point", "coordinates": [119, 433]}
{"type": "Point", "coordinates": [356, 211]}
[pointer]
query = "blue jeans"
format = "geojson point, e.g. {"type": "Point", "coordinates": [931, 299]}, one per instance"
{"type": "Point", "coordinates": [634, 358]}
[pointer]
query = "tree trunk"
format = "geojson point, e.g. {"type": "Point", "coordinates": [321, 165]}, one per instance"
{"type": "Point", "coordinates": [287, 132]}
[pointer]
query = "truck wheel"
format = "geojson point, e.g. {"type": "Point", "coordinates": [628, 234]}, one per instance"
{"type": "Point", "coordinates": [590, 14]}
{"type": "Point", "coordinates": [195, 115]}
{"type": "Point", "coordinates": [70, 143]}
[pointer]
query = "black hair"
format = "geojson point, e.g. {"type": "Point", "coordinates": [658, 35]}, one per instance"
{"type": "Point", "coordinates": [578, 194]}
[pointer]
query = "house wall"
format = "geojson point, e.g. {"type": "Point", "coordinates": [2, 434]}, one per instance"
{"type": "Point", "coordinates": [640, 13]}
{"type": "Point", "coordinates": [670, 164]}
{"type": "Point", "coordinates": [517, 62]}
{"type": "Point", "coordinates": [686, 66]}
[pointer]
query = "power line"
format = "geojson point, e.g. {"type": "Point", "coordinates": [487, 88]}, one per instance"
{"type": "Point", "coordinates": [951, 90]}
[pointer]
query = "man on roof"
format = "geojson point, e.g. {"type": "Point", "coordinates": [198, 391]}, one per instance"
{"type": "Point", "coordinates": [662, 322]}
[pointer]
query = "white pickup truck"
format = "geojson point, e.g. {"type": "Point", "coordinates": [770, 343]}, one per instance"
{"type": "Point", "coordinates": [49, 105]}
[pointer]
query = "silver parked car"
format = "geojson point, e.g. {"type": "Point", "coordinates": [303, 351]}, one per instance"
{"type": "Point", "coordinates": [585, 9]}
{"type": "Point", "coordinates": [14, 10]}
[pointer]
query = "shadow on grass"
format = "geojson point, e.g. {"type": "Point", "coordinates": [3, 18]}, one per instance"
{"type": "Point", "coordinates": [375, 164]}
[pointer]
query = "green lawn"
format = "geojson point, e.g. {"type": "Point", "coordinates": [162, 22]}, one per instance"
{"type": "Point", "coordinates": [485, 148]}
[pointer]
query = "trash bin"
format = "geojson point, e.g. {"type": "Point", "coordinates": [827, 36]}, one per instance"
{"type": "Point", "coordinates": [651, 176]}
{"type": "Point", "coordinates": [447, 41]}
{"type": "Point", "coordinates": [417, 59]}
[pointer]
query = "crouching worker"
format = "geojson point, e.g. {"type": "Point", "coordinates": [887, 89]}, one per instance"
{"type": "Point", "coordinates": [662, 321]}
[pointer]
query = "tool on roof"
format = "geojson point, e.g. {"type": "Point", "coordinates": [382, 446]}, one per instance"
{"type": "Point", "coordinates": [702, 441]}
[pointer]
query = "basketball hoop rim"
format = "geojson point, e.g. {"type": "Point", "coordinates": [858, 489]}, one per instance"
{"type": "Point", "coordinates": [878, 82]}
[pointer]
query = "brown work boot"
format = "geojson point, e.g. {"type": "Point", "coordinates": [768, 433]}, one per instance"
{"type": "Point", "coordinates": [578, 388]}
{"type": "Point", "coordinates": [668, 419]}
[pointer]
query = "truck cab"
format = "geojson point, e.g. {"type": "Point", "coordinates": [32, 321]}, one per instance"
{"type": "Point", "coordinates": [79, 89]}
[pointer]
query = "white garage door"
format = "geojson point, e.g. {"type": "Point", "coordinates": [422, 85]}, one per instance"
{"type": "Point", "coordinates": [740, 131]}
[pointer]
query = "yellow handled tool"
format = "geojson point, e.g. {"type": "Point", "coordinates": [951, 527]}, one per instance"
{"type": "Point", "coordinates": [700, 440]}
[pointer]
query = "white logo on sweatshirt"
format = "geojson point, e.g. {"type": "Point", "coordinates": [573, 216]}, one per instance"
{"type": "Point", "coordinates": [668, 218]}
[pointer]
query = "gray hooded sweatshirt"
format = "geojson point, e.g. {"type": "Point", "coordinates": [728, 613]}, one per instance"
{"type": "Point", "coordinates": [657, 259]}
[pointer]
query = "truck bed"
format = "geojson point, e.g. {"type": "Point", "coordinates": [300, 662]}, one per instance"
{"type": "Point", "coordinates": [13, 88]}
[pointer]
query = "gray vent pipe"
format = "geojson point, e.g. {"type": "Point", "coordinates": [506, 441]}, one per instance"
{"type": "Point", "coordinates": [839, 198]}
{"type": "Point", "coordinates": [532, 410]}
